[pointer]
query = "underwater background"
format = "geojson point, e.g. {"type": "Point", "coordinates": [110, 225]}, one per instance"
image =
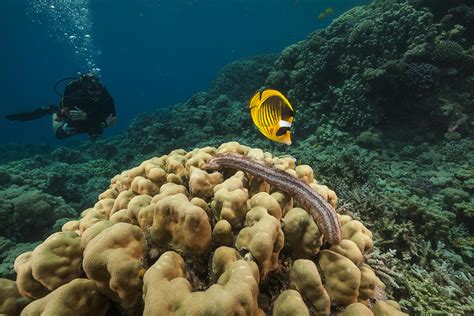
{"type": "Point", "coordinates": [150, 53]}
{"type": "Point", "coordinates": [383, 94]}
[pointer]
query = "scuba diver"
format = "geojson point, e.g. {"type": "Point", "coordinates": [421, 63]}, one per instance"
{"type": "Point", "coordinates": [86, 107]}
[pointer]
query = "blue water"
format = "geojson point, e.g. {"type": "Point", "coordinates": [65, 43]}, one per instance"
{"type": "Point", "coordinates": [151, 53]}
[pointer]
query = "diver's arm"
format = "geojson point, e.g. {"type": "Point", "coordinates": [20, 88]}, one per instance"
{"type": "Point", "coordinates": [62, 127]}
{"type": "Point", "coordinates": [110, 121]}
{"type": "Point", "coordinates": [57, 121]}
{"type": "Point", "coordinates": [108, 112]}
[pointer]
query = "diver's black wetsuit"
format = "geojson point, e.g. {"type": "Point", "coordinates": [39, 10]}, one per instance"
{"type": "Point", "coordinates": [91, 97]}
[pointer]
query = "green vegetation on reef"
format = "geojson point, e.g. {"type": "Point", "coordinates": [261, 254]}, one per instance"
{"type": "Point", "coordinates": [385, 108]}
{"type": "Point", "coordinates": [391, 63]}
{"type": "Point", "coordinates": [417, 200]}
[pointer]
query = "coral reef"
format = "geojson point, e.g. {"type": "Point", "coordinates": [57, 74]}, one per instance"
{"type": "Point", "coordinates": [114, 261]}
{"type": "Point", "coordinates": [383, 100]}
{"type": "Point", "coordinates": [158, 256]}
{"type": "Point", "coordinates": [72, 176]}
{"type": "Point", "coordinates": [167, 291]}
{"type": "Point", "coordinates": [39, 194]}
{"type": "Point", "coordinates": [376, 64]}
{"type": "Point", "coordinates": [78, 297]}
{"type": "Point", "coordinates": [229, 79]}
{"type": "Point", "coordinates": [11, 301]}
{"type": "Point", "coordinates": [12, 152]}
{"type": "Point", "coordinates": [40, 210]}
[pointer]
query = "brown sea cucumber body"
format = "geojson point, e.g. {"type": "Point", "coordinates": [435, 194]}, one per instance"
{"type": "Point", "coordinates": [321, 211]}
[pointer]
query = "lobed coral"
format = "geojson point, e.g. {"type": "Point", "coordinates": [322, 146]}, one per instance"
{"type": "Point", "coordinates": [165, 255]}
{"type": "Point", "coordinates": [168, 292]}
{"type": "Point", "coordinates": [11, 301]}
{"type": "Point", "coordinates": [114, 262]}
{"type": "Point", "coordinates": [78, 297]}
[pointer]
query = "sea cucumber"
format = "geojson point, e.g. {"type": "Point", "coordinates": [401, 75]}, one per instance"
{"type": "Point", "coordinates": [321, 211]}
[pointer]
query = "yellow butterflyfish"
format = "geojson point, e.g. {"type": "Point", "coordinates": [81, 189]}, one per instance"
{"type": "Point", "coordinates": [273, 114]}
{"type": "Point", "coordinates": [325, 13]}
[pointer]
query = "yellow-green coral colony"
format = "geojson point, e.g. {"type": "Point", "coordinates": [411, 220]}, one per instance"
{"type": "Point", "coordinates": [130, 249]}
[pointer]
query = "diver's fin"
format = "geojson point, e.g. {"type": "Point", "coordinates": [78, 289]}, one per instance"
{"type": "Point", "coordinates": [32, 115]}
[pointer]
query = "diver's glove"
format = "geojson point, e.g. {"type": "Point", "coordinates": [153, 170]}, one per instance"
{"type": "Point", "coordinates": [77, 114]}
{"type": "Point", "coordinates": [110, 121]}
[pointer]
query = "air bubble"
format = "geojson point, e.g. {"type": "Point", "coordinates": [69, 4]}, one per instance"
{"type": "Point", "coordinates": [70, 23]}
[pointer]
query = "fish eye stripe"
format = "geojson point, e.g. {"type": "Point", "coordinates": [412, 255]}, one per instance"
{"type": "Point", "coordinates": [282, 130]}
